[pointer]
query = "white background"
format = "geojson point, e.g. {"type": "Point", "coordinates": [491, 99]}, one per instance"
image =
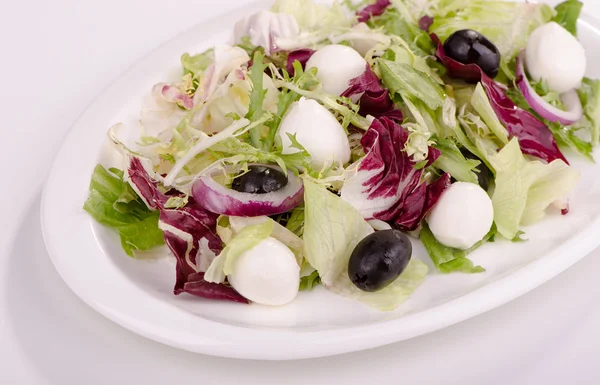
{"type": "Point", "coordinates": [55, 57]}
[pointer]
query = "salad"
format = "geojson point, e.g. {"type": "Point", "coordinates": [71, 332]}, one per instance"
{"type": "Point", "coordinates": [326, 139]}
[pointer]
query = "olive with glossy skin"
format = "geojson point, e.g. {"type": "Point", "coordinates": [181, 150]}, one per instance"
{"type": "Point", "coordinates": [379, 259]}
{"type": "Point", "coordinates": [260, 180]}
{"type": "Point", "coordinates": [470, 47]}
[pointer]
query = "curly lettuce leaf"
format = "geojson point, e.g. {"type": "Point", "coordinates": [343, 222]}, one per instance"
{"type": "Point", "coordinates": [450, 260]}
{"type": "Point", "coordinates": [567, 14]}
{"type": "Point", "coordinates": [452, 161]}
{"type": "Point", "coordinates": [310, 281]}
{"type": "Point", "coordinates": [113, 203]}
{"type": "Point", "coordinates": [507, 24]}
{"type": "Point", "coordinates": [332, 230]}
{"type": "Point", "coordinates": [400, 22]}
{"type": "Point", "coordinates": [589, 93]}
{"type": "Point", "coordinates": [312, 16]}
{"type": "Point", "coordinates": [196, 64]}
{"type": "Point", "coordinates": [525, 189]}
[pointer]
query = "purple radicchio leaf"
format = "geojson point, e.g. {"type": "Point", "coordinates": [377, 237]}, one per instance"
{"type": "Point", "coordinates": [535, 138]}
{"type": "Point", "coordinates": [386, 185]}
{"type": "Point", "coordinates": [374, 99]}
{"type": "Point", "coordinates": [185, 229]}
{"type": "Point", "coordinates": [302, 55]}
{"type": "Point", "coordinates": [425, 23]}
{"type": "Point", "coordinates": [376, 9]}
{"type": "Point", "coordinates": [196, 285]}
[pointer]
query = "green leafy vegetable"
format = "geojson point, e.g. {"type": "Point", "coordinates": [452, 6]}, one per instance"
{"type": "Point", "coordinates": [398, 22]}
{"type": "Point", "coordinates": [403, 79]}
{"type": "Point", "coordinates": [589, 93]}
{"type": "Point", "coordinates": [450, 260]}
{"type": "Point", "coordinates": [197, 64]}
{"type": "Point", "coordinates": [508, 24]}
{"type": "Point", "coordinates": [286, 98]}
{"type": "Point", "coordinates": [113, 203]}
{"type": "Point", "coordinates": [332, 230]}
{"type": "Point", "coordinates": [257, 97]}
{"type": "Point", "coordinates": [309, 282]}
{"type": "Point", "coordinates": [296, 221]}
{"type": "Point", "coordinates": [454, 162]}
{"type": "Point", "coordinates": [567, 14]}
{"type": "Point", "coordinates": [482, 106]}
{"type": "Point", "coordinates": [312, 16]}
{"type": "Point", "coordinates": [566, 136]}
{"type": "Point", "coordinates": [308, 85]}
{"type": "Point", "coordinates": [525, 189]}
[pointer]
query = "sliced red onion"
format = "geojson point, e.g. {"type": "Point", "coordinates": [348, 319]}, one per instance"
{"type": "Point", "coordinates": [219, 199]}
{"type": "Point", "coordinates": [574, 111]}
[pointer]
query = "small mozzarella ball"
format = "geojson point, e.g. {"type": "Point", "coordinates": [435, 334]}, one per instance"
{"type": "Point", "coordinates": [462, 216]}
{"type": "Point", "coordinates": [337, 65]}
{"type": "Point", "coordinates": [267, 274]}
{"type": "Point", "coordinates": [555, 56]}
{"type": "Point", "coordinates": [317, 130]}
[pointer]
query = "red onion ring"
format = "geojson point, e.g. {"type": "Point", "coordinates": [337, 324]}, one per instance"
{"type": "Point", "coordinates": [574, 111]}
{"type": "Point", "coordinates": [219, 199]}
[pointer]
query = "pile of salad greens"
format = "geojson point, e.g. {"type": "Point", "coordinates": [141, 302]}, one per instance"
{"type": "Point", "coordinates": [305, 154]}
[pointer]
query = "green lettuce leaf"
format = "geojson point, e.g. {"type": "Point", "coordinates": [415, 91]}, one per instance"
{"type": "Point", "coordinates": [312, 16]}
{"type": "Point", "coordinates": [310, 281]}
{"type": "Point", "coordinates": [399, 22]}
{"type": "Point", "coordinates": [507, 24]}
{"type": "Point", "coordinates": [567, 14]}
{"type": "Point", "coordinates": [257, 97]}
{"type": "Point", "coordinates": [482, 106]}
{"type": "Point", "coordinates": [524, 189]}
{"type": "Point", "coordinates": [450, 260]}
{"type": "Point", "coordinates": [197, 64]}
{"type": "Point", "coordinates": [332, 230]}
{"type": "Point", "coordinates": [589, 93]}
{"type": "Point", "coordinates": [112, 202]}
{"type": "Point", "coordinates": [401, 78]}
{"type": "Point", "coordinates": [248, 238]}
{"type": "Point", "coordinates": [295, 223]}
{"type": "Point", "coordinates": [454, 162]}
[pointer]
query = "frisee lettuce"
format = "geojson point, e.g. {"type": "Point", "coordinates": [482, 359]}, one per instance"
{"type": "Point", "coordinates": [454, 162]}
{"type": "Point", "coordinates": [508, 24]}
{"type": "Point", "coordinates": [257, 97]}
{"type": "Point", "coordinates": [196, 64]}
{"type": "Point", "coordinates": [447, 259]}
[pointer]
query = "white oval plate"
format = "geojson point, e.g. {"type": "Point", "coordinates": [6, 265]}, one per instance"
{"type": "Point", "coordinates": [138, 294]}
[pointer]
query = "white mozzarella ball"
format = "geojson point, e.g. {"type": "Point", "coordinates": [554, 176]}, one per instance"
{"type": "Point", "coordinates": [555, 56]}
{"type": "Point", "coordinates": [267, 274]}
{"type": "Point", "coordinates": [462, 216]}
{"type": "Point", "coordinates": [317, 130]}
{"type": "Point", "coordinates": [337, 65]}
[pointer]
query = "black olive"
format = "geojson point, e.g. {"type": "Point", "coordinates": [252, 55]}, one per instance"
{"type": "Point", "coordinates": [484, 175]}
{"type": "Point", "coordinates": [260, 180]}
{"type": "Point", "coordinates": [379, 259]}
{"type": "Point", "coordinates": [471, 47]}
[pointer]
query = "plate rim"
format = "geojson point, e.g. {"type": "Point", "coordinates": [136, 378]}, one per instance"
{"type": "Point", "coordinates": [240, 342]}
